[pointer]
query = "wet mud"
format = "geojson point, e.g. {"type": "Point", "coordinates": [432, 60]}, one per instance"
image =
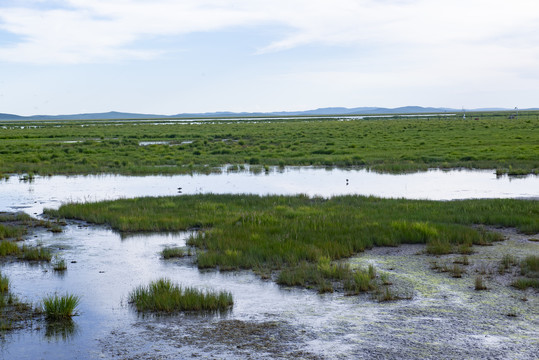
{"type": "Point", "coordinates": [445, 319]}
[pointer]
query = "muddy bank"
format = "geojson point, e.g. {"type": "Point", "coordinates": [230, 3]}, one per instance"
{"type": "Point", "coordinates": [199, 337]}
{"type": "Point", "coordinates": [446, 318]}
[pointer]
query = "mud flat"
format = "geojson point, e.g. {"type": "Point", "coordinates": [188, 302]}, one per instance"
{"type": "Point", "coordinates": [447, 317]}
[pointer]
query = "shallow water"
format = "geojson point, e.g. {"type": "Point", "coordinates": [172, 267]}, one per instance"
{"type": "Point", "coordinates": [445, 319]}
{"type": "Point", "coordinates": [32, 197]}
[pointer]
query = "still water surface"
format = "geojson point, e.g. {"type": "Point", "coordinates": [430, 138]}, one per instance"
{"type": "Point", "coordinates": [31, 197]}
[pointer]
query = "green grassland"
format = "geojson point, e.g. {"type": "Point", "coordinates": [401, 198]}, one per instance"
{"type": "Point", "coordinates": [299, 235]}
{"type": "Point", "coordinates": [398, 144]}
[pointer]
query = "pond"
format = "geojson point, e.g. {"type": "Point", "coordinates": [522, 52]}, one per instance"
{"type": "Point", "coordinates": [33, 196]}
{"type": "Point", "coordinates": [444, 319]}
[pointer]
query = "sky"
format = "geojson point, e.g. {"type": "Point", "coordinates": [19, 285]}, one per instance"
{"type": "Point", "coordinates": [185, 56]}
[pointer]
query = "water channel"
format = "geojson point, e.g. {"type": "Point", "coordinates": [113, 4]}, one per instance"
{"type": "Point", "coordinates": [444, 319]}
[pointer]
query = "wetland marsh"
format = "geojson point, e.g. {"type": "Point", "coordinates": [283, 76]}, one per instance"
{"type": "Point", "coordinates": [243, 229]}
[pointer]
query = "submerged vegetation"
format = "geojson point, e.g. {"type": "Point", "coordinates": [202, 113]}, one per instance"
{"type": "Point", "coordinates": [13, 312]}
{"type": "Point", "coordinates": [164, 296]}
{"type": "Point", "coordinates": [300, 236]}
{"type": "Point", "coordinates": [8, 248]}
{"type": "Point", "coordinates": [391, 144]}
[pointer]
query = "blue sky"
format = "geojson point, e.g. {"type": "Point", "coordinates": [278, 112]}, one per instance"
{"type": "Point", "coordinates": [168, 57]}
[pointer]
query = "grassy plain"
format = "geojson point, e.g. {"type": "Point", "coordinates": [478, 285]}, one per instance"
{"type": "Point", "coordinates": [299, 235]}
{"type": "Point", "coordinates": [397, 144]}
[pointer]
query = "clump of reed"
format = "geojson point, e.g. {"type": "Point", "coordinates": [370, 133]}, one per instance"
{"type": "Point", "coordinates": [522, 283]}
{"type": "Point", "coordinates": [507, 261]}
{"type": "Point", "coordinates": [325, 275]}
{"type": "Point", "coordinates": [530, 266]}
{"type": "Point", "coordinates": [529, 269]}
{"type": "Point", "coordinates": [11, 232]}
{"type": "Point", "coordinates": [8, 248]}
{"type": "Point", "coordinates": [385, 295]}
{"type": "Point", "coordinates": [35, 254]}
{"type": "Point", "coordinates": [384, 279]}
{"type": "Point", "coordinates": [164, 296]}
{"type": "Point", "coordinates": [4, 284]}
{"type": "Point", "coordinates": [59, 264]}
{"type": "Point", "coordinates": [60, 307]}
{"type": "Point", "coordinates": [456, 271]}
{"type": "Point", "coordinates": [360, 281]}
{"type": "Point", "coordinates": [480, 283]}
{"type": "Point", "coordinates": [174, 252]}
{"type": "Point", "coordinates": [462, 260]}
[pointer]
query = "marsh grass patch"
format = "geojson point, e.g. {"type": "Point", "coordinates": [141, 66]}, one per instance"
{"type": "Point", "coordinates": [60, 307]}
{"type": "Point", "coordinates": [174, 252]}
{"type": "Point", "coordinates": [301, 238]}
{"type": "Point", "coordinates": [163, 296]}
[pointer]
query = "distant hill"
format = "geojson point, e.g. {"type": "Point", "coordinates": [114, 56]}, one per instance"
{"type": "Point", "coordinates": [10, 117]}
{"type": "Point", "coordinates": [112, 115]}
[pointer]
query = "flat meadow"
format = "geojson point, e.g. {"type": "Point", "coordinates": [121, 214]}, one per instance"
{"type": "Point", "coordinates": [163, 146]}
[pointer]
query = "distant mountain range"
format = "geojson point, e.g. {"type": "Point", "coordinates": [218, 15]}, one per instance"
{"type": "Point", "coordinates": [318, 112]}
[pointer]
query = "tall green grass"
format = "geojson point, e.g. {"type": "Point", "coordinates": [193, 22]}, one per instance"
{"type": "Point", "coordinates": [164, 296]}
{"type": "Point", "coordinates": [60, 307]}
{"type": "Point", "coordinates": [11, 232]}
{"type": "Point", "coordinates": [24, 252]}
{"type": "Point", "coordinates": [530, 266]}
{"type": "Point", "coordinates": [296, 233]}
{"type": "Point", "coordinates": [529, 269]}
{"type": "Point", "coordinates": [4, 284]}
{"type": "Point", "coordinates": [35, 254]}
{"type": "Point", "coordinates": [8, 248]}
{"type": "Point", "coordinates": [395, 144]}
{"type": "Point", "coordinates": [173, 252]}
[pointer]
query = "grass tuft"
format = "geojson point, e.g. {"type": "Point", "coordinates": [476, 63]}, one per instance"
{"type": "Point", "coordinates": [164, 296]}
{"type": "Point", "coordinates": [59, 265]}
{"type": "Point", "coordinates": [174, 252]}
{"type": "Point", "coordinates": [530, 266]}
{"type": "Point", "coordinates": [4, 284]}
{"type": "Point", "coordinates": [8, 248]}
{"type": "Point", "coordinates": [479, 283]}
{"type": "Point", "coordinates": [523, 283]}
{"type": "Point", "coordinates": [58, 307]}
{"type": "Point", "coordinates": [457, 271]}
{"type": "Point", "coordinates": [35, 254]}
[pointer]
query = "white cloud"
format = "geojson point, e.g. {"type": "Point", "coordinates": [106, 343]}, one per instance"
{"type": "Point", "coordinates": [107, 30]}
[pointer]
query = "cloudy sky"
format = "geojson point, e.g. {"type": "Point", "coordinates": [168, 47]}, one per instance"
{"type": "Point", "coordinates": [175, 56]}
